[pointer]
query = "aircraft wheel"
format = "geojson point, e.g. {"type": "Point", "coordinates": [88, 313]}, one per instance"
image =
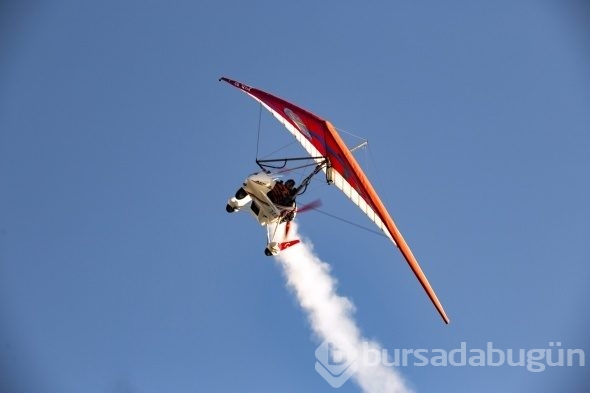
{"type": "Point", "coordinates": [267, 252]}
{"type": "Point", "coordinates": [229, 209]}
{"type": "Point", "coordinates": [241, 193]}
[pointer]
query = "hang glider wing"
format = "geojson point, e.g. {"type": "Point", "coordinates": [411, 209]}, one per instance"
{"type": "Point", "coordinates": [320, 139]}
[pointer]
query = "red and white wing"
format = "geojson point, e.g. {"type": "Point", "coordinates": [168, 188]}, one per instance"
{"type": "Point", "coordinates": [320, 139]}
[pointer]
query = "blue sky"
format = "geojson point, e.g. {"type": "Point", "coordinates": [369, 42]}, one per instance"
{"type": "Point", "coordinates": [121, 272]}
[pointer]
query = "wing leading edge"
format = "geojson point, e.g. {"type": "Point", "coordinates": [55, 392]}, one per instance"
{"type": "Point", "coordinates": [320, 138]}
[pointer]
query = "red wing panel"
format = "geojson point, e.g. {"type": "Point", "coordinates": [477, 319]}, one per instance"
{"type": "Point", "coordinates": [318, 132]}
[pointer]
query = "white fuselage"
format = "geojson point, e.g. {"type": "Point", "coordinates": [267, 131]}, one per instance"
{"type": "Point", "coordinates": [257, 201]}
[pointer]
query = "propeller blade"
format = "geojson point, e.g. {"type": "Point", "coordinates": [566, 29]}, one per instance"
{"type": "Point", "coordinates": [310, 206]}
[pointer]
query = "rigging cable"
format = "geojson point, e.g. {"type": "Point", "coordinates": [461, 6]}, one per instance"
{"type": "Point", "coordinates": [350, 222]}
{"type": "Point", "coordinates": [259, 126]}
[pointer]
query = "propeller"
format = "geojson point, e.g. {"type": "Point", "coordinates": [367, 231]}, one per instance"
{"type": "Point", "coordinates": [310, 206]}
{"type": "Point", "coordinates": [307, 207]}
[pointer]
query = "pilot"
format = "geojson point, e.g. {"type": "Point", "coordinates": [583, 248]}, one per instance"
{"type": "Point", "coordinates": [283, 193]}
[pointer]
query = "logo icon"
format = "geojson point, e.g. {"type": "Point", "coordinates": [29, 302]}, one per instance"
{"type": "Point", "coordinates": [297, 120]}
{"type": "Point", "coordinates": [336, 360]}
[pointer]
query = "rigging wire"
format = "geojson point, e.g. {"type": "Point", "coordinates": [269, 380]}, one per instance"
{"type": "Point", "coordinates": [258, 133]}
{"type": "Point", "coordinates": [279, 149]}
{"type": "Point", "coordinates": [350, 222]}
{"type": "Point", "coordinates": [351, 134]}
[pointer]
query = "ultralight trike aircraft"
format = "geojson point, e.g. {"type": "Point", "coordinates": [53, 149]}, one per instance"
{"type": "Point", "coordinates": [273, 202]}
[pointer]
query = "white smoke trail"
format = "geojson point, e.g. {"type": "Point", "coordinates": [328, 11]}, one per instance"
{"type": "Point", "coordinates": [331, 314]}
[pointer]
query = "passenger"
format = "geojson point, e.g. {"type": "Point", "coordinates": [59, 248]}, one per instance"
{"type": "Point", "coordinates": [283, 193]}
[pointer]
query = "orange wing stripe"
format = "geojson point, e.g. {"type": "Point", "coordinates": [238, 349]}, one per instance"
{"type": "Point", "coordinates": [381, 211]}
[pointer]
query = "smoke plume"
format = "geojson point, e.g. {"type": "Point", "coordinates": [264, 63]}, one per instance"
{"type": "Point", "coordinates": [331, 314]}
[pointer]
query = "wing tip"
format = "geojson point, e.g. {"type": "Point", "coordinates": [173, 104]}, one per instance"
{"type": "Point", "coordinates": [443, 314]}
